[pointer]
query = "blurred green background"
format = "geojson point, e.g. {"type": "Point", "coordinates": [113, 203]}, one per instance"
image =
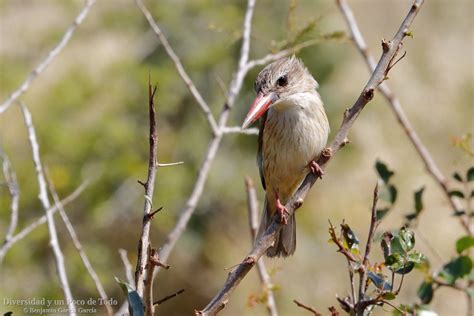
{"type": "Point", "coordinates": [90, 111]}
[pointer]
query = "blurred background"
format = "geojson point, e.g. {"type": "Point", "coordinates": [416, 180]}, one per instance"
{"type": "Point", "coordinates": [90, 111]}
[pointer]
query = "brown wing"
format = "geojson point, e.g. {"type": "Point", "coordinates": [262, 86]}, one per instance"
{"type": "Point", "coordinates": [260, 157]}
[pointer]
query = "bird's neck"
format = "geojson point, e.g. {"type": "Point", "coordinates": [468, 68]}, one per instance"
{"type": "Point", "coordinates": [299, 101]}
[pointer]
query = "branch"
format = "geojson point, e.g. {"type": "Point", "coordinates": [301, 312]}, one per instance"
{"type": "Point", "coordinates": [214, 143]}
{"type": "Point", "coordinates": [308, 308]}
{"type": "Point", "coordinates": [123, 310]}
{"type": "Point", "coordinates": [12, 184]}
{"type": "Point", "coordinates": [51, 55]}
{"type": "Point", "coordinates": [168, 297]}
{"type": "Point", "coordinates": [179, 67]}
{"type": "Point", "coordinates": [239, 130]}
{"type": "Point", "coordinates": [399, 113]}
{"type": "Point", "coordinates": [143, 269]}
{"type": "Point", "coordinates": [364, 268]}
{"type": "Point", "coordinates": [41, 220]}
{"type": "Point", "coordinates": [390, 50]}
{"type": "Point", "coordinates": [262, 270]}
{"type": "Point", "coordinates": [44, 199]}
{"type": "Point", "coordinates": [78, 246]}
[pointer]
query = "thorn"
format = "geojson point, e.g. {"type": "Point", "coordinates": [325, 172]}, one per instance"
{"type": "Point", "coordinates": [142, 183]}
{"type": "Point", "coordinates": [155, 259]}
{"type": "Point", "coordinates": [152, 214]}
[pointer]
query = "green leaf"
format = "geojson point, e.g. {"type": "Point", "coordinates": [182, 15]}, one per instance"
{"type": "Point", "coordinates": [407, 239]}
{"type": "Point", "coordinates": [349, 237]}
{"type": "Point", "coordinates": [394, 261]}
{"type": "Point", "coordinates": [456, 193]}
{"type": "Point", "coordinates": [418, 200]}
{"type": "Point", "coordinates": [456, 268]}
{"type": "Point", "coordinates": [457, 177]}
{"type": "Point", "coordinates": [406, 268]}
{"type": "Point", "coordinates": [464, 243]}
{"type": "Point", "coordinates": [389, 296]}
{"type": "Point", "coordinates": [396, 245]}
{"type": "Point", "coordinates": [470, 174]}
{"type": "Point", "coordinates": [416, 257]}
{"type": "Point", "coordinates": [388, 193]}
{"type": "Point", "coordinates": [381, 213]}
{"type": "Point", "coordinates": [383, 171]}
{"type": "Point", "coordinates": [425, 292]}
{"type": "Point", "coordinates": [458, 213]}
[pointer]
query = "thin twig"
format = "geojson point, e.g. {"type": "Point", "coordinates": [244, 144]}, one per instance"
{"type": "Point", "coordinates": [262, 270]}
{"type": "Point", "coordinates": [13, 188]}
{"type": "Point", "coordinates": [308, 308]}
{"type": "Point", "coordinates": [44, 199]}
{"type": "Point", "coordinates": [127, 266]}
{"type": "Point", "coordinates": [239, 130]}
{"type": "Point", "coordinates": [179, 67]}
{"type": "Point", "coordinates": [143, 268]}
{"type": "Point", "coordinates": [78, 246]}
{"type": "Point", "coordinates": [364, 268]}
{"type": "Point", "coordinates": [41, 220]}
{"type": "Point", "coordinates": [168, 297]}
{"type": "Point", "coordinates": [214, 143]}
{"type": "Point", "coordinates": [402, 118]}
{"type": "Point", "coordinates": [51, 55]}
{"type": "Point", "coordinates": [390, 49]}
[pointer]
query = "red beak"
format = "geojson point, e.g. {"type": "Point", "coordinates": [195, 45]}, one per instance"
{"type": "Point", "coordinates": [259, 106]}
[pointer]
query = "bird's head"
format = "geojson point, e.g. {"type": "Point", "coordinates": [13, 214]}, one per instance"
{"type": "Point", "coordinates": [276, 83]}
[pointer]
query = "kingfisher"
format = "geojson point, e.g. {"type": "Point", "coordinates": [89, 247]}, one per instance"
{"type": "Point", "coordinates": [293, 132]}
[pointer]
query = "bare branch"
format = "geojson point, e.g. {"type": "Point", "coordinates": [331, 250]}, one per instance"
{"type": "Point", "coordinates": [127, 265]}
{"type": "Point", "coordinates": [308, 308]}
{"type": "Point", "coordinates": [51, 55]}
{"type": "Point", "coordinates": [41, 220]}
{"type": "Point", "coordinates": [390, 49]}
{"type": "Point", "coordinates": [400, 114]}
{"type": "Point", "coordinates": [275, 56]}
{"type": "Point", "coordinates": [143, 269]}
{"type": "Point", "coordinates": [168, 297]}
{"type": "Point", "coordinates": [239, 130]}
{"type": "Point", "coordinates": [12, 184]}
{"type": "Point", "coordinates": [179, 67]}
{"type": "Point", "coordinates": [170, 164]}
{"type": "Point", "coordinates": [364, 268]}
{"type": "Point", "coordinates": [214, 143]}
{"type": "Point", "coordinates": [262, 270]}
{"type": "Point", "coordinates": [44, 199]}
{"type": "Point", "coordinates": [78, 246]}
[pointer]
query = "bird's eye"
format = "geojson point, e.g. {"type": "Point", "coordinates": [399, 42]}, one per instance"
{"type": "Point", "coordinates": [282, 81]}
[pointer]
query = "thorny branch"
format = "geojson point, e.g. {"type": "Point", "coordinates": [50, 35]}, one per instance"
{"type": "Point", "coordinates": [51, 55]}
{"type": "Point", "coordinates": [144, 271]}
{"type": "Point", "coordinates": [401, 116]}
{"type": "Point", "coordinates": [44, 199]}
{"type": "Point", "coordinates": [261, 269]}
{"type": "Point", "coordinates": [390, 50]}
{"type": "Point", "coordinates": [308, 308]}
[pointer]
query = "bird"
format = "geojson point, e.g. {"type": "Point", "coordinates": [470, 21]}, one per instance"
{"type": "Point", "coordinates": [293, 132]}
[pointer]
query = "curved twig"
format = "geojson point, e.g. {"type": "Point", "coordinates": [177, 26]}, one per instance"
{"type": "Point", "coordinates": [390, 50]}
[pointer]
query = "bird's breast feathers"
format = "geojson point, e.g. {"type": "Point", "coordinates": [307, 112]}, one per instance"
{"type": "Point", "coordinates": [295, 132]}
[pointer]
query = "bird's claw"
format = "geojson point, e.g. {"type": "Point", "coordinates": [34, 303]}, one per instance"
{"type": "Point", "coordinates": [316, 169]}
{"type": "Point", "coordinates": [282, 211]}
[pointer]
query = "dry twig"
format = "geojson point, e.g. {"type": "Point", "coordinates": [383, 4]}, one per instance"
{"type": "Point", "coordinates": [41, 220]}
{"type": "Point", "coordinates": [390, 50]}
{"type": "Point", "coordinates": [51, 55]}
{"type": "Point", "coordinates": [44, 199]}
{"type": "Point", "coordinates": [12, 184]}
{"type": "Point", "coordinates": [78, 246]}
{"type": "Point", "coordinates": [261, 269]}
{"type": "Point", "coordinates": [402, 118]}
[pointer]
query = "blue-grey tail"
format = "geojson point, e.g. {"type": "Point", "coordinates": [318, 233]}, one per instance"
{"type": "Point", "coordinates": [285, 242]}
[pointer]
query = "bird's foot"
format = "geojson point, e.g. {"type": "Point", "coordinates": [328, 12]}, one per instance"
{"type": "Point", "coordinates": [316, 169]}
{"type": "Point", "coordinates": [282, 211]}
